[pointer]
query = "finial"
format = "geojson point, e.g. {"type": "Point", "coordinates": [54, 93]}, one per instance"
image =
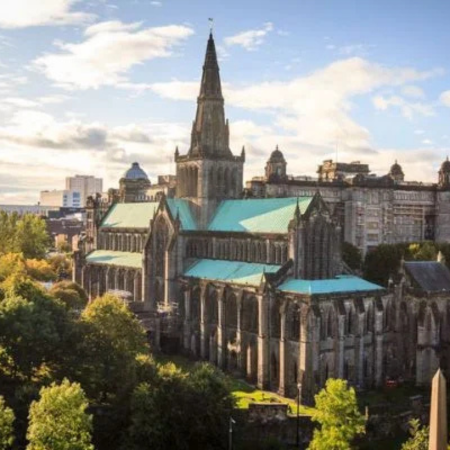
{"type": "Point", "coordinates": [395, 161]}
{"type": "Point", "coordinates": [276, 147]}
{"type": "Point", "coordinates": [211, 23]}
{"type": "Point", "coordinates": [177, 153]}
{"type": "Point", "coordinates": [297, 210]}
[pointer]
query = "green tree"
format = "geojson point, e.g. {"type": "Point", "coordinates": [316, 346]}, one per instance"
{"type": "Point", "coordinates": [419, 436]}
{"type": "Point", "coordinates": [71, 294]}
{"type": "Point", "coordinates": [112, 340]}
{"type": "Point", "coordinates": [337, 413]}
{"type": "Point", "coordinates": [58, 420]}
{"type": "Point", "coordinates": [199, 404]}
{"type": "Point", "coordinates": [6, 425]}
{"type": "Point", "coordinates": [31, 237]}
{"type": "Point", "coordinates": [351, 256]}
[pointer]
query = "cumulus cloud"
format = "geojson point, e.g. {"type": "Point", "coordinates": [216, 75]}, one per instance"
{"type": "Point", "coordinates": [445, 98]}
{"type": "Point", "coordinates": [26, 13]}
{"type": "Point", "coordinates": [407, 108]}
{"type": "Point", "coordinates": [109, 50]}
{"type": "Point", "coordinates": [413, 91]}
{"type": "Point", "coordinates": [250, 39]}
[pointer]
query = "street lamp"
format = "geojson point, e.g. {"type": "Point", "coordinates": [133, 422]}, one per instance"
{"type": "Point", "coordinates": [297, 438]}
{"type": "Point", "coordinates": [230, 434]}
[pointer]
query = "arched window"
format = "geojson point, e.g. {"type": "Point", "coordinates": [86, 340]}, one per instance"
{"type": "Point", "coordinates": [250, 312]}
{"type": "Point", "coordinates": [231, 311]}
{"type": "Point", "coordinates": [295, 323]}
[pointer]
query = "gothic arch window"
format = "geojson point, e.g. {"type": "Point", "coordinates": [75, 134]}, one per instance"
{"type": "Point", "coordinates": [161, 241]}
{"type": "Point", "coordinates": [369, 319]}
{"type": "Point", "coordinates": [231, 311]}
{"type": "Point", "coordinates": [275, 318]}
{"type": "Point", "coordinates": [219, 181]}
{"type": "Point", "coordinates": [234, 188]}
{"type": "Point", "coordinates": [212, 180]}
{"type": "Point", "coordinates": [295, 323]}
{"type": "Point", "coordinates": [211, 307]}
{"type": "Point", "coordinates": [263, 251]}
{"type": "Point", "coordinates": [195, 306]}
{"type": "Point", "coordinates": [250, 312]}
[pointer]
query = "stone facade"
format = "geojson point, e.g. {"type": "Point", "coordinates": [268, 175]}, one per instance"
{"type": "Point", "coordinates": [256, 286]}
{"type": "Point", "coordinates": [372, 210]}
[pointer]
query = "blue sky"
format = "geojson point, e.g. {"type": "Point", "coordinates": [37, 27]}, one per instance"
{"type": "Point", "coordinates": [90, 86]}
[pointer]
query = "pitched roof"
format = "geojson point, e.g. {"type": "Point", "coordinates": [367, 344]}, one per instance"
{"type": "Point", "coordinates": [430, 276]}
{"type": "Point", "coordinates": [112, 258]}
{"type": "Point", "coordinates": [340, 284]}
{"type": "Point", "coordinates": [237, 272]}
{"type": "Point", "coordinates": [181, 206]}
{"type": "Point", "coordinates": [268, 215]}
{"type": "Point", "coordinates": [130, 215]}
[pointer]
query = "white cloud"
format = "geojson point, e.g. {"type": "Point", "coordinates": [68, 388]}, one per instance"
{"type": "Point", "coordinates": [353, 49]}
{"type": "Point", "coordinates": [427, 142]}
{"type": "Point", "coordinates": [413, 91]}
{"type": "Point", "coordinates": [26, 13]}
{"type": "Point", "coordinates": [250, 39]}
{"type": "Point", "coordinates": [20, 102]}
{"type": "Point", "coordinates": [407, 108]}
{"type": "Point", "coordinates": [155, 3]}
{"type": "Point", "coordinates": [109, 51]}
{"type": "Point", "coordinates": [445, 98]}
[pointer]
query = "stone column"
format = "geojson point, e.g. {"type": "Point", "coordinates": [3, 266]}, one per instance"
{"type": "Point", "coordinates": [239, 356]}
{"type": "Point", "coordinates": [283, 353]}
{"type": "Point", "coordinates": [221, 334]}
{"type": "Point", "coordinates": [203, 342]}
{"type": "Point", "coordinates": [187, 320]}
{"type": "Point", "coordinates": [136, 287]}
{"type": "Point", "coordinates": [263, 343]}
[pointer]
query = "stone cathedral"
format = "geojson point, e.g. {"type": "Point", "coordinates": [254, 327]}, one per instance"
{"type": "Point", "coordinates": [255, 286]}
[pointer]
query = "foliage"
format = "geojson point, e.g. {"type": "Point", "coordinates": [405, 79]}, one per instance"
{"type": "Point", "coordinates": [338, 415]}
{"type": "Point", "coordinates": [61, 264]}
{"type": "Point", "coordinates": [63, 247]}
{"type": "Point", "coordinates": [199, 404]}
{"type": "Point", "coordinates": [70, 293]}
{"type": "Point", "coordinates": [25, 234]}
{"type": "Point", "coordinates": [33, 335]}
{"type": "Point", "coordinates": [6, 425]}
{"type": "Point", "coordinates": [419, 436]}
{"type": "Point", "coordinates": [351, 256]}
{"type": "Point", "coordinates": [40, 269]}
{"type": "Point", "coordinates": [112, 340]}
{"type": "Point", "coordinates": [11, 264]}
{"type": "Point", "coordinates": [59, 421]}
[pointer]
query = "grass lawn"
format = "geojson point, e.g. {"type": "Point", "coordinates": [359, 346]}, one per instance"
{"type": "Point", "coordinates": [243, 392]}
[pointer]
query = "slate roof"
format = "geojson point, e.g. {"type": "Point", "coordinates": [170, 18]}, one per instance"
{"type": "Point", "coordinates": [237, 272]}
{"type": "Point", "coordinates": [130, 215]}
{"type": "Point", "coordinates": [112, 258]}
{"type": "Point", "coordinates": [429, 276]}
{"type": "Point", "coordinates": [340, 284]}
{"type": "Point", "coordinates": [181, 207]}
{"type": "Point", "coordinates": [268, 215]}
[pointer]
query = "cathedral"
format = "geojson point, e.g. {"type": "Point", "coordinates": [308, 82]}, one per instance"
{"type": "Point", "coordinates": [256, 286]}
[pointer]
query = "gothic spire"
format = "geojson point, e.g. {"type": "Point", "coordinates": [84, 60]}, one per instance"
{"type": "Point", "coordinates": [210, 133]}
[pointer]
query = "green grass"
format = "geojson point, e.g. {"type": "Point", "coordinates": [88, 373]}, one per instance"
{"type": "Point", "coordinates": [243, 392]}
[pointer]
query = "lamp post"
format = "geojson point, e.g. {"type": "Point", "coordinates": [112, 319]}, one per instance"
{"type": "Point", "coordinates": [230, 434]}
{"type": "Point", "coordinates": [297, 438]}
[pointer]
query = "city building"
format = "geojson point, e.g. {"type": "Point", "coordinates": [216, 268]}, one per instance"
{"type": "Point", "coordinates": [254, 285]}
{"type": "Point", "coordinates": [61, 198]}
{"type": "Point", "coordinates": [372, 210]}
{"type": "Point", "coordinates": [86, 185]}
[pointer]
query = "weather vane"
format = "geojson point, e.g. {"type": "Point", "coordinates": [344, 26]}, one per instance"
{"type": "Point", "coordinates": [211, 21]}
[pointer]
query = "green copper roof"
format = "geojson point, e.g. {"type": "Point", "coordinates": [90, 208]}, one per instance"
{"type": "Point", "coordinates": [267, 215]}
{"type": "Point", "coordinates": [110, 258]}
{"type": "Point", "coordinates": [341, 283]}
{"type": "Point", "coordinates": [232, 271]}
{"type": "Point", "coordinates": [181, 207]}
{"type": "Point", "coordinates": [130, 215]}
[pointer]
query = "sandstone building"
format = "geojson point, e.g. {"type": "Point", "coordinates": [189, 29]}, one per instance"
{"type": "Point", "coordinates": [254, 285]}
{"type": "Point", "coordinates": [372, 210]}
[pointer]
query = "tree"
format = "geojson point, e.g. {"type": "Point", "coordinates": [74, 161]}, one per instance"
{"type": "Point", "coordinates": [6, 425]}
{"type": "Point", "coordinates": [337, 413]}
{"type": "Point", "coordinates": [71, 294]}
{"type": "Point", "coordinates": [31, 237]}
{"type": "Point", "coordinates": [40, 270]}
{"type": "Point", "coordinates": [58, 420]}
{"type": "Point", "coordinates": [419, 436]}
{"type": "Point", "coordinates": [351, 256]}
{"type": "Point", "coordinates": [200, 405]}
{"type": "Point", "coordinates": [112, 340]}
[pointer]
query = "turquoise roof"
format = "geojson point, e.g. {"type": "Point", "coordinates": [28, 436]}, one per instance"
{"type": "Point", "coordinates": [231, 271]}
{"type": "Point", "coordinates": [111, 258]}
{"type": "Point", "coordinates": [342, 283]}
{"type": "Point", "coordinates": [181, 207]}
{"type": "Point", "coordinates": [130, 215]}
{"type": "Point", "coordinates": [267, 215]}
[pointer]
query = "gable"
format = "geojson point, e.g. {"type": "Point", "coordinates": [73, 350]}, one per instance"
{"type": "Point", "coordinates": [267, 215]}
{"type": "Point", "coordinates": [429, 276]}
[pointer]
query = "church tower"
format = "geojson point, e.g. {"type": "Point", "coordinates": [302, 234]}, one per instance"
{"type": "Point", "coordinates": [209, 172]}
